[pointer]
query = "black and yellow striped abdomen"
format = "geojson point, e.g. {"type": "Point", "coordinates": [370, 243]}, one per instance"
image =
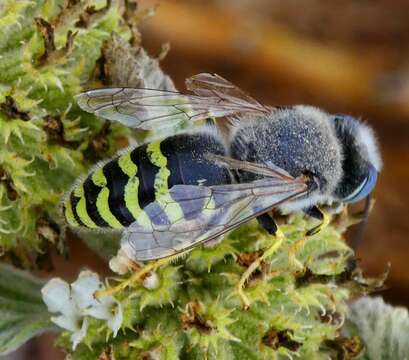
{"type": "Point", "coordinates": [115, 194]}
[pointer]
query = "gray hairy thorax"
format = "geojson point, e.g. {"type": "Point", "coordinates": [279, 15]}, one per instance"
{"type": "Point", "coordinates": [300, 140]}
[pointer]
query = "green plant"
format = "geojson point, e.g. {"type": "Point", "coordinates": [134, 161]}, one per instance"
{"type": "Point", "coordinates": [48, 50]}
{"type": "Point", "coordinates": [191, 309]}
{"type": "Point", "coordinates": [187, 309]}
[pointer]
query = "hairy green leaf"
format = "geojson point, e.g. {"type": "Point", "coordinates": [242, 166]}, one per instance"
{"type": "Point", "coordinates": [22, 311]}
{"type": "Point", "coordinates": [383, 328]}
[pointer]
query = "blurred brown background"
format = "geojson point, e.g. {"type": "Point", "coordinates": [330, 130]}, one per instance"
{"type": "Point", "coordinates": [344, 56]}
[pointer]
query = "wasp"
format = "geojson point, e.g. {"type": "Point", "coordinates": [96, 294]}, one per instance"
{"type": "Point", "coordinates": [168, 196]}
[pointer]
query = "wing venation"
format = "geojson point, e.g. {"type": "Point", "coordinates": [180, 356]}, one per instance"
{"type": "Point", "coordinates": [209, 212]}
{"type": "Point", "coordinates": [154, 108]}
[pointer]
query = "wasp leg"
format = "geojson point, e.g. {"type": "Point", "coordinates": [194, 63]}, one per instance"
{"type": "Point", "coordinates": [317, 213]}
{"type": "Point", "coordinates": [269, 224]}
{"type": "Point", "coordinates": [292, 251]}
{"type": "Point", "coordinates": [138, 275]}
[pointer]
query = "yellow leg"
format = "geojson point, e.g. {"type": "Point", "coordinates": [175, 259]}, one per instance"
{"type": "Point", "coordinates": [279, 238]}
{"type": "Point", "coordinates": [138, 275]}
{"type": "Point", "coordinates": [292, 251]}
{"type": "Point", "coordinates": [324, 223]}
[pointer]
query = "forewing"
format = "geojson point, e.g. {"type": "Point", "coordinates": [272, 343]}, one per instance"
{"type": "Point", "coordinates": [141, 108]}
{"type": "Point", "coordinates": [153, 108]}
{"type": "Point", "coordinates": [206, 213]}
{"type": "Point", "coordinates": [213, 85]}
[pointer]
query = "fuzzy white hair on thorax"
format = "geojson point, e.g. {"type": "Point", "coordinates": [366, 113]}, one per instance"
{"type": "Point", "coordinates": [305, 203]}
{"type": "Point", "coordinates": [309, 111]}
{"type": "Point", "coordinates": [366, 137]}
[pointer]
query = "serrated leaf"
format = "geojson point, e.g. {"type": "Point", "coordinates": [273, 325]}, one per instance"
{"type": "Point", "coordinates": [22, 311]}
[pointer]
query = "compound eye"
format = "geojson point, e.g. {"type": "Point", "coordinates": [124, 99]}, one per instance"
{"type": "Point", "coordinates": [365, 188]}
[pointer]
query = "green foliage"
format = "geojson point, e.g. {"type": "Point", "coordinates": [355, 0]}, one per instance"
{"type": "Point", "coordinates": [384, 329]}
{"type": "Point", "coordinates": [48, 49]}
{"type": "Point", "coordinates": [22, 311]}
{"type": "Point", "coordinates": [190, 309]}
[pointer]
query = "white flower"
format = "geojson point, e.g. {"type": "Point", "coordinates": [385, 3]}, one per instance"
{"type": "Point", "coordinates": [84, 288]}
{"type": "Point", "coordinates": [57, 296]}
{"type": "Point", "coordinates": [110, 310]}
{"type": "Point", "coordinates": [151, 281]}
{"type": "Point", "coordinates": [120, 263]}
{"type": "Point", "coordinates": [74, 303]}
{"type": "Point", "coordinates": [78, 335]}
{"type": "Point", "coordinates": [106, 308]}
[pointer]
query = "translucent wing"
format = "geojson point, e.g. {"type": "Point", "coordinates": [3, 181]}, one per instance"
{"type": "Point", "coordinates": [213, 85]}
{"type": "Point", "coordinates": [191, 215]}
{"type": "Point", "coordinates": [269, 170]}
{"type": "Point", "coordinates": [153, 108]}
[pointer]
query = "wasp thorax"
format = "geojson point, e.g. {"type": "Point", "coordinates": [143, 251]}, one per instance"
{"type": "Point", "coordinates": [300, 140]}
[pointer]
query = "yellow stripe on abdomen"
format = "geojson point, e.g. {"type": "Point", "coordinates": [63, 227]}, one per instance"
{"type": "Point", "coordinates": [104, 210]}
{"type": "Point", "coordinates": [81, 208]}
{"type": "Point", "coordinates": [68, 213]}
{"type": "Point", "coordinates": [127, 165]}
{"type": "Point", "coordinates": [98, 178]}
{"type": "Point", "coordinates": [131, 190]}
{"type": "Point", "coordinates": [131, 201]}
{"type": "Point", "coordinates": [172, 209]}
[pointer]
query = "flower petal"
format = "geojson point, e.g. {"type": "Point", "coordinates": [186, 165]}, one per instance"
{"type": "Point", "coordinates": [84, 287]}
{"type": "Point", "coordinates": [65, 322]}
{"type": "Point", "coordinates": [57, 297]}
{"type": "Point", "coordinates": [100, 311]}
{"type": "Point", "coordinates": [121, 263]}
{"type": "Point", "coordinates": [151, 281]}
{"type": "Point", "coordinates": [115, 321]}
{"type": "Point", "coordinates": [77, 336]}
